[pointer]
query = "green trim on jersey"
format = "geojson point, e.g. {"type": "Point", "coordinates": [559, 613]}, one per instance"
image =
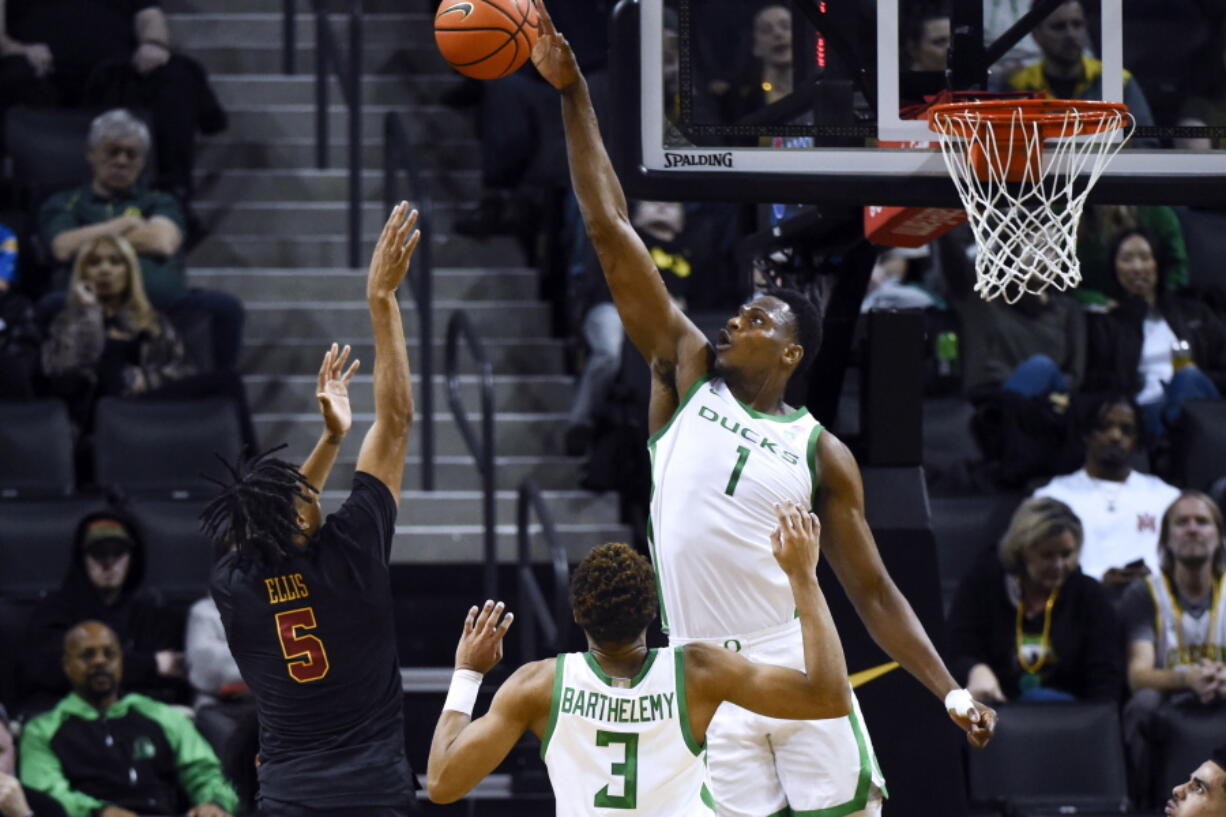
{"type": "Point", "coordinates": [655, 563]}
{"type": "Point", "coordinates": [774, 418]}
{"type": "Point", "coordinates": [811, 458]}
{"type": "Point", "coordinates": [860, 799]}
{"type": "Point", "coordinates": [595, 667]}
{"type": "Point", "coordinates": [786, 811]}
{"type": "Point", "coordinates": [683, 709]}
{"type": "Point", "coordinates": [555, 701]}
{"type": "Point", "coordinates": [704, 794]}
{"type": "Point", "coordinates": [694, 387]}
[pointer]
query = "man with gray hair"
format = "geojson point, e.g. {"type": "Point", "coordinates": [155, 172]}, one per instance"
{"type": "Point", "coordinates": [116, 202]}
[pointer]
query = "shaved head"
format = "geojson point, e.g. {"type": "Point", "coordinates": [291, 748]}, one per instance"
{"type": "Point", "coordinates": [93, 662]}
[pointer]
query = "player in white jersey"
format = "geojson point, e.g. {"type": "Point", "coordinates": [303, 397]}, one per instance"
{"type": "Point", "coordinates": [623, 728]}
{"type": "Point", "coordinates": [725, 448]}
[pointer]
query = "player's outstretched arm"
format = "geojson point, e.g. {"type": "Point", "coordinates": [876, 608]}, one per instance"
{"type": "Point", "coordinates": [822, 690]}
{"type": "Point", "coordinates": [332, 392]}
{"type": "Point", "coordinates": [849, 547]}
{"type": "Point", "coordinates": [383, 449]}
{"type": "Point", "coordinates": [657, 327]}
{"type": "Point", "coordinates": [463, 751]}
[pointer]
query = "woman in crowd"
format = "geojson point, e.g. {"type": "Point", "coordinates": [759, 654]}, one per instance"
{"type": "Point", "coordinates": [1132, 348]}
{"type": "Point", "coordinates": [1027, 625]}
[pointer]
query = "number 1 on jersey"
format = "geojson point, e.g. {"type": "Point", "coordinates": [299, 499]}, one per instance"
{"type": "Point", "coordinates": [736, 471]}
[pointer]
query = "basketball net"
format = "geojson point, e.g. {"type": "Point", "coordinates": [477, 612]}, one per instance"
{"type": "Point", "coordinates": [1023, 169]}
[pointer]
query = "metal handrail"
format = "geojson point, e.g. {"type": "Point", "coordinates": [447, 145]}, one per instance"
{"type": "Point", "coordinates": [533, 609]}
{"type": "Point", "coordinates": [397, 158]}
{"type": "Point", "coordinates": [460, 325]}
{"type": "Point", "coordinates": [329, 60]}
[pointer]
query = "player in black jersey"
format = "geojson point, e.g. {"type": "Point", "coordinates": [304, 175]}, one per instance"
{"type": "Point", "coordinates": [307, 606]}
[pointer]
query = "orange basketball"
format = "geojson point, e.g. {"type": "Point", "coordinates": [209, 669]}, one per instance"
{"type": "Point", "coordinates": [486, 39]}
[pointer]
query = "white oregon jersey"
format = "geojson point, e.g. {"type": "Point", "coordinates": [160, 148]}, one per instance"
{"type": "Point", "coordinates": [623, 746]}
{"type": "Point", "coordinates": [718, 468]}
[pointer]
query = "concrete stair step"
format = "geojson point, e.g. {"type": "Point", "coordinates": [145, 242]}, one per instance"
{"type": "Point", "coordinates": [267, 218]}
{"type": "Point", "coordinates": [449, 283]}
{"type": "Point", "coordinates": [379, 57]}
{"type": "Point", "coordinates": [522, 435]}
{"type": "Point", "coordinates": [426, 544]}
{"type": "Point", "coordinates": [299, 89]}
{"type": "Point", "coordinates": [201, 30]}
{"type": "Point", "coordinates": [273, 121]}
{"type": "Point", "coordinates": [526, 356]}
{"type": "Point", "coordinates": [421, 508]}
{"type": "Point", "coordinates": [332, 249]}
{"type": "Point", "coordinates": [275, 6]}
{"type": "Point", "coordinates": [280, 394]}
{"type": "Point", "coordinates": [294, 152]}
{"type": "Point", "coordinates": [459, 473]}
{"type": "Point", "coordinates": [273, 320]}
{"type": "Point", "coordinates": [311, 185]}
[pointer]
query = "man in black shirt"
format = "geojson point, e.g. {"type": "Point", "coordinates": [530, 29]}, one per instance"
{"type": "Point", "coordinates": [308, 608]}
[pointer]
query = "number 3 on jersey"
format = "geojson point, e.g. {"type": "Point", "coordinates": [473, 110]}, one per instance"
{"type": "Point", "coordinates": [627, 770]}
{"type": "Point", "coordinates": [308, 660]}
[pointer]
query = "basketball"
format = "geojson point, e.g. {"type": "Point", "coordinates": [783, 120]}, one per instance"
{"type": "Point", "coordinates": [486, 39]}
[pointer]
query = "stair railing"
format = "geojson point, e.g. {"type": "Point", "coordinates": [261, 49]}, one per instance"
{"type": "Point", "coordinates": [532, 609]}
{"type": "Point", "coordinates": [398, 158]}
{"type": "Point", "coordinates": [459, 327]}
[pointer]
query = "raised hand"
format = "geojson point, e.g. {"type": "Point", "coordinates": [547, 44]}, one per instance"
{"type": "Point", "coordinates": [332, 390]}
{"type": "Point", "coordinates": [552, 55]}
{"type": "Point", "coordinates": [794, 542]}
{"type": "Point", "coordinates": [390, 261]}
{"type": "Point", "coordinates": [480, 645]}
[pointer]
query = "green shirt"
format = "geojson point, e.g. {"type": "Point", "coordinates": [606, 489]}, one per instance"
{"type": "Point", "coordinates": [165, 278]}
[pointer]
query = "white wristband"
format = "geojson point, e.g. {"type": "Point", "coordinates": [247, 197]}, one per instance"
{"type": "Point", "coordinates": [462, 695]}
{"type": "Point", "coordinates": [960, 702]}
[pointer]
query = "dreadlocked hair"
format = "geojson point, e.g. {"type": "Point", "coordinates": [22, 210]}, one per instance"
{"type": "Point", "coordinates": [613, 594]}
{"type": "Point", "coordinates": [255, 514]}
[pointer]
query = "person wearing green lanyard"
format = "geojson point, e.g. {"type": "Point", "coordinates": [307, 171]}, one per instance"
{"type": "Point", "coordinates": [1175, 624]}
{"type": "Point", "coordinates": [1026, 624]}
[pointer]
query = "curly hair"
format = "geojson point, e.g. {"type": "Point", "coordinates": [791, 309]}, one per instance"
{"type": "Point", "coordinates": [613, 594]}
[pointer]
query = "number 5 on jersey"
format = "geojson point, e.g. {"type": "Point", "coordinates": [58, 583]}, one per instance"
{"type": "Point", "coordinates": [308, 660]}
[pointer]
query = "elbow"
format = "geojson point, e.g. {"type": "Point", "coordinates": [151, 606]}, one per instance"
{"type": "Point", "coordinates": [838, 703]}
{"type": "Point", "coordinates": [438, 790]}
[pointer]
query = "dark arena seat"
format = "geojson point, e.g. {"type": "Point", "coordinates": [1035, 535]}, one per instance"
{"type": "Point", "coordinates": [36, 542]}
{"type": "Point", "coordinates": [1190, 737]}
{"type": "Point", "coordinates": [1057, 758]}
{"type": "Point", "coordinates": [35, 449]}
{"type": "Point", "coordinates": [178, 555]}
{"type": "Point", "coordinates": [164, 448]}
{"type": "Point", "coordinates": [47, 147]}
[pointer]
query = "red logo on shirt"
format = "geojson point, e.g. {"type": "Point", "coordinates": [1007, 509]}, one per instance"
{"type": "Point", "coordinates": [1147, 522]}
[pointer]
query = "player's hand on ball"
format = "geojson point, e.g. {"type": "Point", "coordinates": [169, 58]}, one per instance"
{"type": "Point", "coordinates": [332, 390]}
{"type": "Point", "coordinates": [552, 55]}
{"type": "Point", "coordinates": [794, 542]}
{"type": "Point", "coordinates": [481, 642]}
{"type": "Point", "coordinates": [390, 261]}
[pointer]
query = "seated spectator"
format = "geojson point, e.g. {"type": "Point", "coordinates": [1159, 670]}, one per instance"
{"type": "Point", "coordinates": [768, 77]}
{"type": "Point", "coordinates": [1204, 795]}
{"type": "Point", "coordinates": [222, 698]}
{"type": "Point", "coordinates": [923, 54]}
{"type": "Point", "coordinates": [1175, 623]}
{"type": "Point", "coordinates": [1096, 236]}
{"type": "Point", "coordinates": [890, 287]}
{"type": "Point", "coordinates": [1118, 506]}
{"type": "Point", "coordinates": [116, 202]}
{"type": "Point", "coordinates": [1132, 347]}
{"type": "Point", "coordinates": [1207, 107]}
{"type": "Point", "coordinates": [1066, 71]}
{"type": "Point", "coordinates": [104, 583]}
{"type": "Point", "coordinates": [19, 334]}
{"type": "Point", "coordinates": [15, 799]}
{"type": "Point", "coordinates": [155, 760]}
{"type": "Point", "coordinates": [78, 53]}
{"type": "Point", "coordinates": [108, 340]}
{"type": "Point", "coordinates": [1026, 625]}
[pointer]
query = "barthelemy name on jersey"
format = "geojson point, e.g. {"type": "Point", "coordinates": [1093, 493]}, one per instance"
{"type": "Point", "coordinates": [748, 434]}
{"type": "Point", "coordinates": [286, 588]}
{"type": "Point", "coordinates": [601, 707]}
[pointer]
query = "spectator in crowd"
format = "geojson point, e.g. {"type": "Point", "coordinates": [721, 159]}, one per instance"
{"type": "Point", "coordinates": [926, 39]}
{"type": "Point", "coordinates": [1026, 625]}
{"type": "Point", "coordinates": [1100, 227]}
{"type": "Point", "coordinates": [1175, 623]}
{"type": "Point", "coordinates": [890, 287]}
{"type": "Point", "coordinates": [1066, 71]}
{"type": "Point", "coordinates": [1133, 346]}
{"type": "Point", "coordinates": [116, 202]}
{"type": "Point", "coordinates": [101, 753]}
{"type": "Point", "coordinates": [998, 17]}
{"type": "Point", "coordinates": [768, 77]}
{"type": "Point", "coordinates": [15, 799]}
{"type": "Point", "coordinates": [1204, 795]}
{"type": "Point", "coordinates": [19, 333]}
{"type": "Point", "coordinates": [78, 53]}
{"type": "Point", "coordinates": [104, 584]}
{"type": "Point", "coordinates": [222, 698]}
{"type": "Point", "coordinates": [1119, 507]}
{"type": "Point", "coordinates": [1207, 107]}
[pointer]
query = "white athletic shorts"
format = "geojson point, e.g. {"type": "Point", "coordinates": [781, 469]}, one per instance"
{"type": "Point", "coordinates": [770, 767]}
